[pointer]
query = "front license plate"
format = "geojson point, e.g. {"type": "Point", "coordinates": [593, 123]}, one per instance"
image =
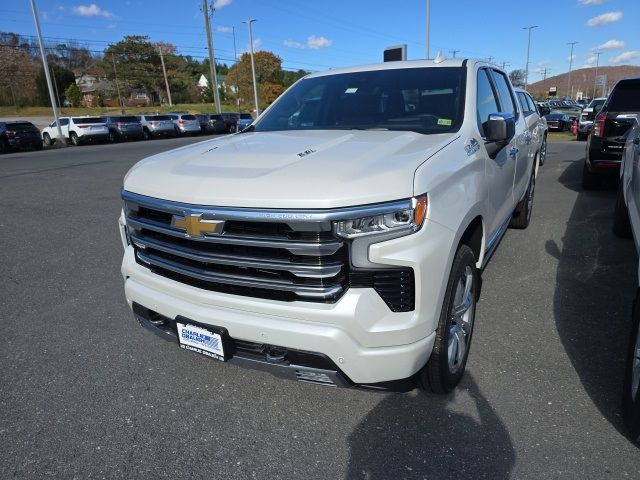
{"type": "Point", "coordinates": [200, 340]}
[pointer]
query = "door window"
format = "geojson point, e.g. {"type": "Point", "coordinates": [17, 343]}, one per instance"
{"type": "Point", "coordinates": [507, 103]}
{"type": "Point", "coordinates": [64, 122]}
{"type": "Point", "coordinates": [522, 99]}
{"type": "Point", "coordinates": [486, 100]}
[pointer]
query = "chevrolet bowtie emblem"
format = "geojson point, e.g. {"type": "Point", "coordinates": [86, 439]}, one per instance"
{"type": "Point", "coordinates": [196, 227]}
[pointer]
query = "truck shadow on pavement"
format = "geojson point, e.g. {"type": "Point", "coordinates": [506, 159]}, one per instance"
{"type": "Point", "coordinates": [595, 285]}
{"type": "Point", "coordinates": [420, 436]}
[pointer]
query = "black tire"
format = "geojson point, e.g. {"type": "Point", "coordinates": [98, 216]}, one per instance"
{"type": "Point", "coordinates": [232, 128]}
{"type": "Point", "coordinates": [75, 141]}
{"type": "Point", "coordinates": [522, 214]}
{"type": "Point", "coordinates": [621, 223]}
{"type": "Point", "coordinates": [145, 134]}
{"type": "Point", "coordinates": [631, 402]}
{"type": "Point", "coordinates": [47, 140]}
{"type": "Point", "coordinates": [438, 375]}
{"type": "Point", "coordinates": [590, 181]}
{"type": "Point", "coordinates": [542, 153]}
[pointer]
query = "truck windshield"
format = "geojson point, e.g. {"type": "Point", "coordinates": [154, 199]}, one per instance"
{"type": "Point", "coordinates": [423, 100]}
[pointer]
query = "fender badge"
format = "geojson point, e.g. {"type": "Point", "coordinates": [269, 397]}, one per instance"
{"type": "Point", "coordinates": [472, 147]}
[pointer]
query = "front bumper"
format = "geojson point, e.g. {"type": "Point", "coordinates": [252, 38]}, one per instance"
{"type": "Point", "coordinates": [365, 340]}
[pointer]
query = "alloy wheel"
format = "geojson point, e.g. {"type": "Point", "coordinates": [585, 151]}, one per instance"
{"type": "Point", "coordinates": [462, 315]}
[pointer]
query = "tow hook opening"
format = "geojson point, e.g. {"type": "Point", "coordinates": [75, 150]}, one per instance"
{"type": "Point", "coordinates": [276, 354]}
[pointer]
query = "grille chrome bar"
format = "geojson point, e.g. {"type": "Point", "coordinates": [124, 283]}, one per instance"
{"type": "Point", "coordinates": [296, 248]}
{"type": "Point", "coordinates": [326, 270]}
{"type": "Point", "coordinates": [242, 281]}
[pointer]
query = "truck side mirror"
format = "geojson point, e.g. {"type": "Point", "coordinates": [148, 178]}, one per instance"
{"type": "Point", "coordinates": [500, 127]}
{"type": "Point", "coordinates": [544, 111]}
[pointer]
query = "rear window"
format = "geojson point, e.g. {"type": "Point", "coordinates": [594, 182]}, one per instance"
{"type": "Point", "coordinates": [188, 117]}
{"type": "Point", "coordinates": [88, 120]}
{"type": "Point", "coordinates": [130, 119]}
{"type": "Point", "coordinates": [20, 126]}
{"type": "Point", "coordinates": [246, 116]}
{"type": "Point", "coordinates": [625, 97]}
{"type": "Point", "coordinates": [159, 117]}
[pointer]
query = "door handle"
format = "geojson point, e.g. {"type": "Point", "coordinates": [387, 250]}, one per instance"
{"type": "Point", "coordinates": [513, 152]}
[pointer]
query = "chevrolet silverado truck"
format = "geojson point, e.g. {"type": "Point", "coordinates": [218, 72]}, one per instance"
{"type": "Point", "coordinates": [339, 239]}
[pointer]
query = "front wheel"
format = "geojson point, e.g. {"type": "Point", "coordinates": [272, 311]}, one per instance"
{"type": "Point", "coordinates": [542, 154]}
{"type": "Point", "coordinates": [631, 392]}
{"type": "Point", "coordinates": [75, 141]}
{"type": "Point", "coordinates": [46, 138]}
{"type": "Point", "coordinates": [448, 359]}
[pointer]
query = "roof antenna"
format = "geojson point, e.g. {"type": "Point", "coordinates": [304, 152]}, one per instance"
{"type": "Point", "coordinates": [439, 58]}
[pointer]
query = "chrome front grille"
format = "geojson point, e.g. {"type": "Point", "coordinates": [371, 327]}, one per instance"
{"type": "Point", "coordinates": [278, 258]}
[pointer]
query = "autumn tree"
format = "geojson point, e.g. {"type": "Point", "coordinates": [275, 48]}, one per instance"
{"type": "Point", "coordinates": [269, 77]}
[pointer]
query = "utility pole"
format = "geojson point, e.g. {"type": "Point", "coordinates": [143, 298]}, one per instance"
{"type": "Point", "coordinates": [235, 62]}
{"type": "Point", "coordinates": [595, 82]}
{"type": "Point", "coordinates": [505, 65]}
{"type": "Point", "coordinates": [428, 30]}
{"type": "Point", "coordinates": [253, 66]}
{"type": "Point", "coordinates": [55, 86]}
{"type": "Point", "coordinates": [570, 67]}
{"type": "Point", "coordinates": [490, 59]}
{"type": "Point", "coordinates": [526, 68]}
{"type": "Point", "coordinates": [45, 66]}
{"type": "Point", "coordinates": [544, 73]}
{"type": "Point", "coordinates": [164, 71]}
{"type": "Point", "coordinates": [453, 53]}
{"type": "Point", "coordinates": [115, 75]}
{"type": "Point", "coordinates": [212, 62]}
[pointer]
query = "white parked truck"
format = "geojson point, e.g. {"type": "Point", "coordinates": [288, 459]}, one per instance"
{"type": "Point", "coordinates": [340, 238]}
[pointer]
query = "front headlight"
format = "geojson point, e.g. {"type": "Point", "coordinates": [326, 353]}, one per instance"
{"type": "Point", "coordinates": [403, 221]}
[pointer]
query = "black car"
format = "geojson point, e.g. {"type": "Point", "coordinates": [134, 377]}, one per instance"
{"type": "Point", "coordinates": [212, 123]}
{"type": "Point", "coordinates": [18, 135]}
{"type": "Point", "coordinates": [609, 133]}
{"type": "Point", "coordinates": [124, 127]}
{"type": "Point", "coordinates": [558, 121]}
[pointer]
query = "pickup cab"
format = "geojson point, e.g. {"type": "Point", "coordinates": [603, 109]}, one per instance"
{"type": "Point", "coordinates": [340, 239]}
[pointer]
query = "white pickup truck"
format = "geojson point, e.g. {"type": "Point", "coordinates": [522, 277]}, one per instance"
{"type": "Point", "coordinates": [339, 239]}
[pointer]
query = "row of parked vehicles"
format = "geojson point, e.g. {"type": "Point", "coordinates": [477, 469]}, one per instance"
{"type": "Point", "coordinates": [115, 128]}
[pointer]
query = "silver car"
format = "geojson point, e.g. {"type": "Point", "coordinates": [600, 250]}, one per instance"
{"type": "Point", "coordinates": [157, 126]}
{"type": "Point", "coordinates": [585, 122]}
{"type": "Point", "coordinates": [626, 223]}
{"type": "Point", "coordinates": [185, 124]}
{"type": "Point", "coordinates": [537, 128]}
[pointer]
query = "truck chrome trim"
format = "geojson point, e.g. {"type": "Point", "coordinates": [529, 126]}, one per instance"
{"type": "Point", "coordinates": [242, 281]}
{"type": "Point", "coordinates": [267, 215]}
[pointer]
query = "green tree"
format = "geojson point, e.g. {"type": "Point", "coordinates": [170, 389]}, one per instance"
{"type": "Point", "coordinates": [61, 79]}
{"type": "Point", "coordinates": [269, 77]}
{"type": "Point", "coordinates": [74, 95]}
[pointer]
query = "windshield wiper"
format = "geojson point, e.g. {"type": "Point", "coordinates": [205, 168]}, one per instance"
{"type": "Point", "coordinates": [250, 128]}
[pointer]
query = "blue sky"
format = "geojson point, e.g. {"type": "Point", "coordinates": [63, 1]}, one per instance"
{"type": "Point", "coordinates": [321, 35]}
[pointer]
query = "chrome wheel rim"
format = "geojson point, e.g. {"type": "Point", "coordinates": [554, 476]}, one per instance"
{"type": "Point", "coordinates": [635, 368]}
{"type": "Point", "coordinates": [462, 315]}
{"type": "Point", "coordinates": [543, 151]}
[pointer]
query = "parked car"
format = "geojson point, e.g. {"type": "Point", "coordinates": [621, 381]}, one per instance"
{"type": "Point", "coordinates": [124, 127]}
{"type": "Point", "coordinates": [585, 121]}
{"type": "Point", "coordinates": [626, 223]}
{"type": "Point", "coordinates": [244, 121]}
{"type": "Point", "coordinates": [77, 130]}
{"type": "Point", "coordinates": [19, 134]}
{"type": "Point", "coordinates": [185, 123]}
{"type": "Point", "coordinates": [608, 136]}
{"type": "Point", "coordinates": [558, 121]}
{"type": "Point", "coordinates": [340, 239]}
{"type": "Point", "coordinates": [212, 123]}
{"type": "Point", "coordinates": [537, 127]}
{"type": "Point", "coordinates": [154, 126]}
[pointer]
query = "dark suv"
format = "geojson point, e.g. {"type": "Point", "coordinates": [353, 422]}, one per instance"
{"type": "Point", "coordinates": [19, 134]}
{"type": "Point", "coordinates": [125, 127]}
{"type": "Point", "coordinates": [609, 133]}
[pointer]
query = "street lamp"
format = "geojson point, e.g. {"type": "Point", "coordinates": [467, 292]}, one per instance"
{"type": "Point", "coordinates": [570, 66]}
{"type": "Point", "coordinates": [253, 65]}
{"type": "Point", "coordinates": [428, 29]}
{"type": "Point", "coordinates": [526, 68]}
{"type": "Point", "coordinates": [595, 86]}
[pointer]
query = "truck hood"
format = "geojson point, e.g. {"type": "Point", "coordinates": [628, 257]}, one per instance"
{"type": "Point", "coordinates": [285, 169]}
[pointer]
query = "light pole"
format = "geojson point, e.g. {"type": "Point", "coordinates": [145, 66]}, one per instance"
{"type": "Point", "coordinates": [526, 67]}
{"type": "Point", "coordinates": [45, 65]}
{"type": "Point", "coordinates": [253, 65]}
{"type": "Point", "coordinates": [212, 61]}
{"type": "Point", "coordinates": [235, 62]}
{"type": "Point", "coordinates": [166, 80]}
{"type": "Point", "coordinates": [428, 32]}
{"type": "Point", "coordinates": [570, 67]}
{"type": "Point", "coordinates": [595, 83]}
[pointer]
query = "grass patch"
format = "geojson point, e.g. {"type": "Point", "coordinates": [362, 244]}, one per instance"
{"type": "Point", "coordinates": [47, 112]}
{"type": "Point", "coordinates": [561, 136]}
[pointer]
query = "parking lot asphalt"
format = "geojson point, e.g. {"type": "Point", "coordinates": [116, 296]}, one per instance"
{"type": "Point", "coordinates": [86, 393]}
